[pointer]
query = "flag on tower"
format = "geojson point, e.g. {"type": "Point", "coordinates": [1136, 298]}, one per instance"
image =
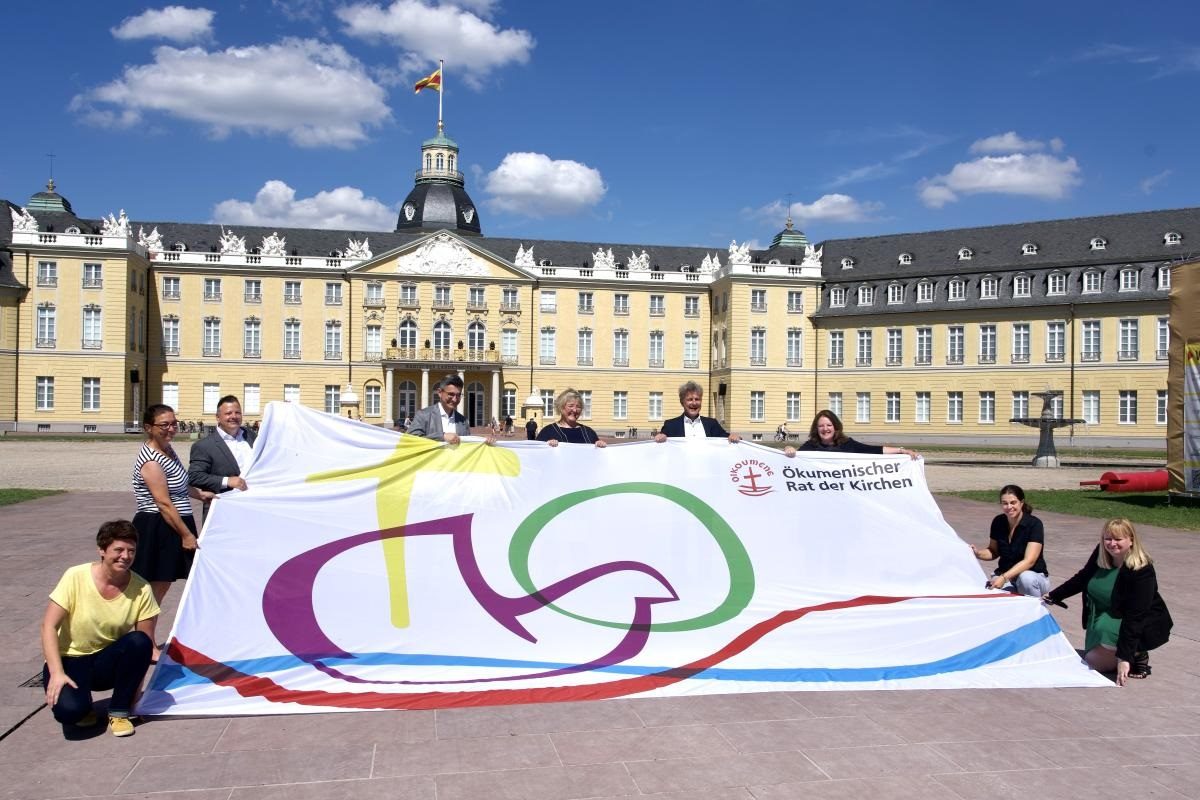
{"type": "Point", "coordinates": [434, 81]}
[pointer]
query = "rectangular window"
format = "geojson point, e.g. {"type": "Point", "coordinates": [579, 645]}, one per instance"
{"type": "Point", "coordinates": [866, 295]}
{"type": "Point", "coordinates": [93, 276]}
{"type": "Point", "coordinates": [170, 395]}
{"type": "Point", "coordinates": [585, 395]}
{"type": "Point", "coordinates": [1056, 283]}
{"type": "Point", "coordinates": [987, 407]}
{"type": "Point", "coordinates": [252, 291]}
{"type": "Point", "coordinates": [211, 394]}
{"type": "Point", "coordinates": [895, 294]}
{"type": "Point", "coordinates": [895, 347]}
{"type": "Point", "coordinates": [621, 348]}
{"type": "Point", "coordinates": [476, 298]}
{"type": "Point", "coordinates": [1056, 341]}
{"type": "Point", "coordinates": [862, 407]}
{"type": "Point", "coordinates": [1128, 341]}
{"type": "Point", "coordinates": [656, 349]}
{"type": "Point", "coordinates": [620, 405]}
{"type": "Point", "coordinates": [924, 346]}
{"type": "Point", "coordinates": [252, 339]}
{"type": "Point", "coordinates": [621, 304]}
{"type": "Point", "coordinates": [372, 400]}
{"type": "Point", "coordinates": [212, 289]}
{"type": "Point", "coordinates": [333, 340]}
{"type": "Point", "coordinates": [408, 295]}
{"type": "Point", "coordinates": [1021, 286]}
{"type": "Point", "coordinates": [956, 343]}
{"type": "Point", "coordinates": [1091, 282]}
{"type": "Point", "coordinates": [586, 302]}
{"type": "Point", "coordinates": [864, 349]}
{"type": "Point", "coordinates": [922, 406]}
{"type": "Point", "coordinates": [1164, 339]}
{"type": "Point", "coordinates": [691, 350]}
{"type": "Point", "coordinates": [373, 294]}
{"type": "Point", "coordinates": [91, 394]}
{"type": "Point", "coordinates": [547, 346]}
{"type": "Point", "coordinates": [291, 393]}
{"type": "Point", "coordinates": [92, 328]}
{"type": "Point", "coordinates": [835, 403]}
{"type": "Point", "coordinates": [1091, 407]}
{"type": "Point", "coordinates": [1020, 404]}
{"type": "Point", "coordinates": [508, 403]}
{"type": "Point", "coordinates": [758, 299]}
{"type": "Point", "coordinates": [333, 398]}
{"type": "Point", "coordinates": [893, 407]}
{"type": "Point", "coordinates": [758, 347]}
{"type": "Point", "coordinates": [837, 348]}
{"type": "Point", "coordinates": [954, 407]}
{"type": "Point", "coordinates": [658, 305]}
{"type": "Point", "coordinates": [508, 345]}
{"type": "Point", "coordinates": [1127, 407]}
{"type": "Point", "coordinates": [837, 297]}
{"type": "Point", "coordinates": [291, 338]}
{"type": "Point", "coordinates": [795, 347]}
{"type": "Point", "coordinates": [1160, 416]}
{"type": "Point", "coordinates": [792, 407]}
{"type": "Point", "coordinates": [212, 338]}
{"type": "Point", "coordinates": [291, 292]}
{"type": "Point", "coordinates": [251, 398]}
{"type": "Point", "coordinates": [654, 405]}
{"type": "Point", "coordinates": [924, 292]}
{"type": "Point", "coordinates": [170, 288]}
{"type": "Point", "coordinates": [758, 406]}
{"type": "Point", "coordinates": [47, 273]}
{"type": "Point", "coordinates": [1091, 340]}
{"type": "Point", "coordinates": [44, 400]}
{"type": "Point", "coordinates": [691, 305]}
{"type": "Point", "coordinates": [442, 299]}
{"type": "Point", "coordinates": [333, 293]}
{"type": "Point", "coordinates": [987, 344]}
{"type": "Point", "coordinates": [795, 301]}
{"type": "Point", "coordinates": [989, 289]}
{"type": "Point", "coordinates": [373, 343]}
{"type": "Point", "coordinates": [47, 326]}
{"type": "Point", "coordinates": [957, 290]}
{"type": "Point", "coordinates": [583, 347]}
{"type": "Point", "coordinates": [549, 302]}
{"type": "Point", "coordinates": [1020, 343]}
{"type": "Point", "coordinates": [1129, 280]}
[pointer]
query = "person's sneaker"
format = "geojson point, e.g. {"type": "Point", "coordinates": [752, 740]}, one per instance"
{"type": "Point", "coordinates": [89, 720]}
{"type": "Point", "coordinates": [120, 726]}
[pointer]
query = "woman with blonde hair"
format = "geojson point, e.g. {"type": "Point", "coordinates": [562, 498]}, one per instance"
{"type": "Point", "coordinates": [1123, 614]}
{"type": "Point", "coordinates": [568, 428]}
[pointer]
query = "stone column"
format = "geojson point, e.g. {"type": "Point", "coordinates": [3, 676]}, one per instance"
{"type": "Point", "coordinates": [496, 394]}
{"type": "Point", "coordinates": [423, 400]}
{"type": "Point", "coordinates": [388, 389]}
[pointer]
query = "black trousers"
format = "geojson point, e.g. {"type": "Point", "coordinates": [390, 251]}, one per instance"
{"type": "Point", "coordinates": [121, 667]}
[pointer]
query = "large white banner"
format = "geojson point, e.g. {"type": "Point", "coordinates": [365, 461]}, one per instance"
{"type": "Point", "coordinates": [1191, 417]}
{"type": "Point", "coordinates": [368, 570]}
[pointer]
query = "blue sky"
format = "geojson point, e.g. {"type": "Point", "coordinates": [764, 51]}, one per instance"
{"type": "Point", "coordinates": [688, 123]}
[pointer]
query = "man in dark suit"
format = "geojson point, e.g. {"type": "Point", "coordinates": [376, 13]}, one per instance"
{"type": "Point", "coordinates": [219, 459]}
{"type": "Point", "coordinates": [441, 421]}
{"type": "Point", "coordinates": [690, 424]}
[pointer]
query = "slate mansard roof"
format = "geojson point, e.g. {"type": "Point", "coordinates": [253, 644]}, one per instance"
{"type": "Point", "coordinates": [1138, 240]}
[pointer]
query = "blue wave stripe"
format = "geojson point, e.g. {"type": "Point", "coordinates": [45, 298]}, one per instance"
{"type": "Point", "coordinates": [997, 649]}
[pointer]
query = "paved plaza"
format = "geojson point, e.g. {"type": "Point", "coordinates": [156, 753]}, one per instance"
{"type": "Point", "coordinates": [1142, 741]}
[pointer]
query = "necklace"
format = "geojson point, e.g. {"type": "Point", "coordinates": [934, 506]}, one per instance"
{"type": "Point", "coordinates": [583, 431]}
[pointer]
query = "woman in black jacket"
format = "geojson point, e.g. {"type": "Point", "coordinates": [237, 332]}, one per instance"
{"type": "Point", "coordinates": [1123, 613]}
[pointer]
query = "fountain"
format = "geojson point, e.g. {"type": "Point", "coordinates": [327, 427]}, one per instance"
{"type": "Point", "coordinates": [1046, 422]}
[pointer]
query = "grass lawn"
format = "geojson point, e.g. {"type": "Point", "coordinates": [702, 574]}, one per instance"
{"type": "Point", "coordinates": [10, 496]}
{"type": "Point", "coordinates": [1148, 508]}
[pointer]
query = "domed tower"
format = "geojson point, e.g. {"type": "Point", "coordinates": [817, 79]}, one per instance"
{"type": "Point", "coordinates": [438, 201]}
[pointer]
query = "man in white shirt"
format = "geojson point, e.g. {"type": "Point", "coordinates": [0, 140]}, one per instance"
{"type": "Point", "coordinates": [690, 425]}
{"type": "Point", "coordinates": [441, 421]}
{"type": "Point", "coordinates": [219, 459]}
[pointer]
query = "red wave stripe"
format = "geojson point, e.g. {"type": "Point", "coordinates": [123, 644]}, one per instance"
{"type": "Point", "coordinates": [251, 686]}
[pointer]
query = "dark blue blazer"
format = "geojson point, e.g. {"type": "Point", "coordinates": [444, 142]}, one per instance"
{"type": "Point", "coordinates": [674, 427]}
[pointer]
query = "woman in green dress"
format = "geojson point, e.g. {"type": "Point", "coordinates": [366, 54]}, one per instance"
{"type": "Point", "coordinates": [1123, 614]}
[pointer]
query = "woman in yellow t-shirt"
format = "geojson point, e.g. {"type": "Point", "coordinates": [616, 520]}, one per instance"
{"type": "Point", "coordinates": [98, 633]}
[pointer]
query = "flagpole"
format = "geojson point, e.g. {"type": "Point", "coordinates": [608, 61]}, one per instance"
{"type": "Point", "coordinates": [441, 90]}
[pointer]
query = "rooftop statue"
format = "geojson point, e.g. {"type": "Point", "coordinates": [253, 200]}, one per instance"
{"type": "Point", "coordinates": [739, 255]}
{"type": "Point", "coordinates": [231, 244]}
{"type": "Point", "coordinates": [812, 256]}
{"type": "Point", "coordinates": [524, 257]}
{"type": "Point", "coordinates": [358, 250]}
{"type": "Point", "coordinates": [639, 263]}
{"type": "Point", "coordinates": [23, 222]}
{"type": "Point", "coordinates": [274, 245]}
{"type": "Point", "coordinates": [711, 263]}
{"type": "Point", "coordinates": [152, 242]}
{"type": "Point", "coordinates": [604, 259]}
{"type": "Point", "coordinates": [115, 226]}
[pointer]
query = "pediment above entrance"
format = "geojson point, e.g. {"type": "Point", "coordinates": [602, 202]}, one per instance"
{"type": "Point", "coordinates": [443, 255]}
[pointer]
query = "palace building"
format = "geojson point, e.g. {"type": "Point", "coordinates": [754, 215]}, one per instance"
{"type": "Point", "coordinates": [915, 337]}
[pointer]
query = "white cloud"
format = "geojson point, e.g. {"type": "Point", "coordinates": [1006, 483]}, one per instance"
{"type": "Point", "coordinates": [1033, 175]}
{"type": "Point", "coordinates": [471, 46]}
{"type": "Point", "coordinates": [1148, 185]}
{"type": "Point", "coordinates": [535, 185]}
{"type": "Point", "coordinates": [1012, 143]}
{"type": "Point", "coordinates": [343, 208]}
{"type": "Point", "coordinates": [870, 172]}
{"type": "Point", "coordinates": [313, 92]}
{"type": "Point", "coordinates": [826, 208]}
{"type": "Point", "coordinates": [177, 23]}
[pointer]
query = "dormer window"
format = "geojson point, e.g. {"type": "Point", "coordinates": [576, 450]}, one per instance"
{"type": "Point", "coordinates": [179, 247]}
{"type": "Point", "coordinates": [75, 229]}
{"type": "Point", "coordinates": [925, 292]}
{"type": "Point", "coordinates": [1029, 249]}
{"type": "Point", "coordinates": [989, 288]}
{"type": "Point", "coordinates": [1020, 286]}
{"type": "Point", "coordinates": [1164, 277]}
{"type": "Point", "coordinates": [1171, 238]}
{"type": "Point", "coordinates": [1056, 283]}
{"type": "Point", "coordinates": [956, 289]}
{"type": "Point", "coordinates": [773, 262]}
{"type": "Point", "coordinates": [905, 259]}
{"type": "Point", "coordinates": [866, 295]}
{"type": "Point", "coordinates": [1098, 243]}
{"type": "Point", "coordinates": [964, 254]}
{"type": "Point", "coordinates": [895, 294]}
{"type": "Point", "coordinates": [545, 262]}
{"type": "Point", "coordinates": [837, 297]}
{"type": "Point", "coordinates": [847, 263]}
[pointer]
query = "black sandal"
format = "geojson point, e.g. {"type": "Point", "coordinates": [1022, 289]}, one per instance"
{"type": "Point", "coordinates": [1140, 669]}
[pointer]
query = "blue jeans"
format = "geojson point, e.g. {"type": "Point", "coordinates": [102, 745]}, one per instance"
{"type": "Point", "coordinates": [121, 667]}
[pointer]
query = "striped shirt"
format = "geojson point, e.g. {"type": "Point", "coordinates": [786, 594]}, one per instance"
{"type": "Point", "coordinates": [177, 481]}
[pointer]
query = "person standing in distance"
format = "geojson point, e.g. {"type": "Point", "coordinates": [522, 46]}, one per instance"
{"type": "Point", "coordinates": [690, 424]}
{"type": "Point", "coordinates": [219, 459]}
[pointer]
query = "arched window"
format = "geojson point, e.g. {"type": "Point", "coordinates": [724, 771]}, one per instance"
{"type": "Point", "coordinates": [441, 335]}
{"type": "Point", "coordinates": [965, 254]}
{"type": "Point", "coordinates": [440, 162]}
{"type": "Point", "coordinates": [428, 161]}
{"type": "Point", "coordinates": [408, 334]}
{"type": "Point", "coordinates": [905, 259]}
{"type": "Point", "coordinates": [476, 336]}
{"type": "Point", "coordinates": [1098, 243]}
{"type": "Point", "coordinates": [1029, 249]}
{"type": "Point", "coordinates": [450, 162]}
{"type": "Point", "coordinates": [1172, 238]}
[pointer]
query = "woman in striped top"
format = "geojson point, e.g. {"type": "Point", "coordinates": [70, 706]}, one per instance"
{"type": "Point", "coordinates": [166, 530]}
